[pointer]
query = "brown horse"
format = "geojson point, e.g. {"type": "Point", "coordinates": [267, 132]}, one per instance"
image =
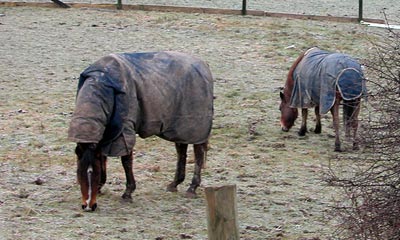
{"type": "Point", "coordinates": [323, 80]}
{"type": "Point", "coordinates": [167, 94]}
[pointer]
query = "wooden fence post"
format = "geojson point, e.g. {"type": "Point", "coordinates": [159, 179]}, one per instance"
{"type": "Point", "coordinates": [244, 7]}
{"type": "Point", "coordinates": [222, 213]}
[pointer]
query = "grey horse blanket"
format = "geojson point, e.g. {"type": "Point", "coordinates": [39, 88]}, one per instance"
{"type": "Point", "coordinates": [320, 73]}
{"type": "Point", "coordinates": [168, 94]}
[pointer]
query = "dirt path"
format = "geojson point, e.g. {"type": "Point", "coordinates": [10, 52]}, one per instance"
{"type": "Point", "coordinates": [278, 175]}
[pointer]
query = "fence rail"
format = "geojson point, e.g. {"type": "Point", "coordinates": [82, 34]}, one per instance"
{"type": "Point", "coordinates": [361, 9]}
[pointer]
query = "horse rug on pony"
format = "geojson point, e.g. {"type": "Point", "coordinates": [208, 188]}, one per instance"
{"type": "Point", "coordinates": [320, 73]}
{"type": "Point", "coordinates": [167, 94]}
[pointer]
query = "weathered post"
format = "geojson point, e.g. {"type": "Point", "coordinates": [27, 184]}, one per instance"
{"type": "Point", "coordinates": [244, 7]}
{"type": "Point", "coordinates": [222, 213]}
{"type": "Point", "coordinates": [360, 10]}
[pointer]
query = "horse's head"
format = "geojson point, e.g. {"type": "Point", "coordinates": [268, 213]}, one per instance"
{"type": "Point", "coordinates": [288, 114]}
{"type": "Point", "coordinates": [89, 173]}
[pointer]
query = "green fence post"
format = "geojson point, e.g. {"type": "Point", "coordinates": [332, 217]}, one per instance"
{"type": "Point", "coordinates": [119, 4]}
{"type": "Point", "coordinates": [244, 7]}
{"type": "Point", "coordinates": [360, 10]}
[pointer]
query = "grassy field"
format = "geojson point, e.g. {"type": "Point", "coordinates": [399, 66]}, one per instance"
{"type": "Point", "coordinates": [281, 194]}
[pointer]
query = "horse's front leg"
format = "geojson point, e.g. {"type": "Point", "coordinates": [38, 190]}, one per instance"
{"type": "Point", "coordinates": [318, 126]}
{"type": "Point", "coordinates": [303, 128]}
{"type": "Point", "coordinates": [199, 154]}
{"type": "Point", "coordinates": [181, 150]}
{"type": "Point", "coordinates": [127, 162]}
{"type": "Point", "coordinates": [335, 116]}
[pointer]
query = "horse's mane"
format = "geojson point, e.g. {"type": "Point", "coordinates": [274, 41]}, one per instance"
{"type": "Point", "coordinates": [287, 90]}
{"type": "Point", "coordinates": [88, 157]}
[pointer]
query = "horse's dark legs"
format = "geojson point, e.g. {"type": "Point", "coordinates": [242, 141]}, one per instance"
{"type": "Point", "coordinates": [335, 116]}
{"type": "Point", "coordinates": [130, 179]}
{"type": "Point", "coordinates": [303, 128]}
{"type": "Point", "coordinates": [181, 150]}
{"type": "Point", "coordinates": [103, 177]}
{"type": "Point", "coordinates": [199, 153]}
{"type": "Point", "coordinates": [347, 120]}
{"type": "Point", "coordinates": [354, 124]}
{"type": "Point", "coordinates": [318, 121]}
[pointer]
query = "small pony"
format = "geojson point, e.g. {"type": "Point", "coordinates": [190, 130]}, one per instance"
{"type": "Point", "coordinates": [167, 94]}
{"type": "Point", "coordinates": [322, 79]}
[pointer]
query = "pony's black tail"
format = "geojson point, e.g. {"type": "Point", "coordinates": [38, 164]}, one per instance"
{"type": "Point", "coordinates": [350, 108]}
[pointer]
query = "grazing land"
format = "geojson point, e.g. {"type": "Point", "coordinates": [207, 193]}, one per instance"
{"type": "Point", "coordinates": [278, 175]}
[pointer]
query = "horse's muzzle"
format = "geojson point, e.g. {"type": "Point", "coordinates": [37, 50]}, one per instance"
{"type": "Point", "coordinates": [285, 129]}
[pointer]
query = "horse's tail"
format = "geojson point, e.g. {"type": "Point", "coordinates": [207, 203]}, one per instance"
{"type": "Point", "coordinates": [350, 110]}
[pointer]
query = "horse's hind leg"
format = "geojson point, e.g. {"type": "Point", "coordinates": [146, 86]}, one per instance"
{"type": "Point", "coordinates": [199, 154]}
{"type": "Point", "coordinates": [303, 128]}
{"type": "Point", "coordinates": [103, 178]}
{"type": "Point", "coordinates": [347, 119]}
{"type": "Point", "coordinates": [335, 116]}
{"type": "Point", "coordinates": [318, 121]}
{"type": "Point", "coordinates": [130, 179]}
{"type": "Point", "coordinates": [181, 150]}
{"type": "Point", "coordinates": [354, 123]}
{"type": "Point", "coordinates": [348, 111]}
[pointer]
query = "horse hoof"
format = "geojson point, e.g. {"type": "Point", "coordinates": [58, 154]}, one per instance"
{"type": "Point", "coordinates": [191, 195]}
{"type": "Point", "coordinates": [338, 149]}
{"type": "Point", "coordinates": [126, 196]}
{"type": "Point", "coordinates": [172, 188]}
{"type": "Point", "coordinates": [302, 132]}
{"type": "Point", "coordinates": [86, 208]}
